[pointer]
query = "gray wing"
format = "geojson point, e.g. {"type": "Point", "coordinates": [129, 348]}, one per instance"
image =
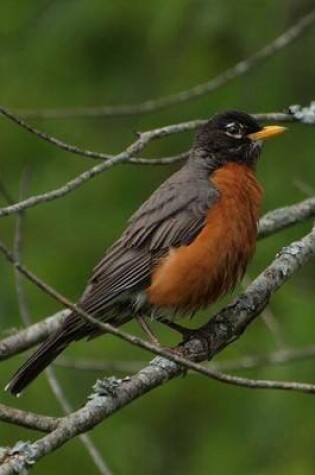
{"type": "Point", "coordinates": [173, 216]}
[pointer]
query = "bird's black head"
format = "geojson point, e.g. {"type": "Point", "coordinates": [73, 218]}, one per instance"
{"type": "Point", "coordinates": [232, 136]}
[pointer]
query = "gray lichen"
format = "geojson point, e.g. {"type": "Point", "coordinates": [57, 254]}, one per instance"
{"type": "Point", "coordinates": [22, 456]}
{"type": "Point", "coordinates": [304, 114]}
{"type": "Point", "coordinates": [107, 387]}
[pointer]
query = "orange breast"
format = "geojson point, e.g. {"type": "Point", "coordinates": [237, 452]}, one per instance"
{"type": "Point", "coordinates": [191, 277]}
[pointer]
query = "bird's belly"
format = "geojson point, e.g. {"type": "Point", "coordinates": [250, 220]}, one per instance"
{"type": "Point", "coordinates": [194, 276]}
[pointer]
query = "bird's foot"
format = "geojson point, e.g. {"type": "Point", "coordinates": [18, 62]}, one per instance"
{"type": "Point", "coordinates": [199, 333]}
{"type": "Point", "coordinates": [185, 332]}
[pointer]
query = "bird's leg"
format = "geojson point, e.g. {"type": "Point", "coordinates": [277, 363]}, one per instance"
{"type": "Point", "coordinates": [185, 332]}
{"type": "Point", "coordinates": [147, 330]}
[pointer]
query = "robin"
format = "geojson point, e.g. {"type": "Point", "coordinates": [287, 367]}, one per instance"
{"type": "Point", "coordinates": [187, 245]}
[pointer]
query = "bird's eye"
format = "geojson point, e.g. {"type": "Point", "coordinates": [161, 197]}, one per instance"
{"type": "Point", "coordinates": [233, 130]}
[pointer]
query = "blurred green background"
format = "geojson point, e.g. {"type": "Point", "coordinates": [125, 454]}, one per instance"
{"type": "Point", "coordinates": [63, 53]}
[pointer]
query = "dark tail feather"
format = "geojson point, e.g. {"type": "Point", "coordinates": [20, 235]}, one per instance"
{"type": "Point", "coordinates": [46, 353]}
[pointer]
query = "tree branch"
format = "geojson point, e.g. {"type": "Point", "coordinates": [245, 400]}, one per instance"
{"type": "Point", "coordinates": [28, 420]}
{"type": "Point", "coordinates": [282, 218]}
{"type": "Point", "coordinates": [22, 340]}
{"type": "Point", "coordinates": [239, 69]}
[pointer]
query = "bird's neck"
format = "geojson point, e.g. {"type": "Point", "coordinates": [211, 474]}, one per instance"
{"type": "Point", "coordinates": [206, 162]}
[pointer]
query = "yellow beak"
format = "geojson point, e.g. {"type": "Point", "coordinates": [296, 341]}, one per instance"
{"type": "Point", "coordinates": [267, 132]}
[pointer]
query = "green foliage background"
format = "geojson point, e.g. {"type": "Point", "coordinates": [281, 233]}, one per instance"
{"type": "Point", "coordinates": [59, 53]}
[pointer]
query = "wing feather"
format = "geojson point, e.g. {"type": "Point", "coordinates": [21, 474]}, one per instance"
{"type": "Point", "coordinates": [173, 216]}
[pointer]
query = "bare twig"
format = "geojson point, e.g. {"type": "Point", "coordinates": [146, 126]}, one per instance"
{"type": "Point", "coordinates": [268, 318]}
{"type": "Point", "coordinates": [282, 218]}
{"type": "Point", "coordinates": [274, 327]}
{"type": "Point", "coordinates": [22, 340]}
{"type": "Point", "coordinates": [26, 419]}
{"type": "Point", "coordinates": [239, 69]}
{"type": "Point", "coordinates": [18, 251]}
{"type": "Point", "coordinates": [85, 364]}
{"type": "Point", "coordinates": [160, 161]}
{"type": "Point", "coordinates": [306, 188]}
{"type": "Point", "coordinates": [261, 383]}
{"type": "Point", "coordinates": [279, 357]}
{"type": "Point", "coordinates": [283, 356]}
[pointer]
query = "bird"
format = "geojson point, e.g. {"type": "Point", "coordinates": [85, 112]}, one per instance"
{"type": "Point", "coordinates": [187, 245]}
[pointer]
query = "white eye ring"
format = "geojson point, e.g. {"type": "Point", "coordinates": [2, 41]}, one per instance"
{"type": "Point", "coordinates": [234, 130]}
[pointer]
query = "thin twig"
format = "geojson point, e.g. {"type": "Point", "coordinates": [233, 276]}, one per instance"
{"type": "Point", "coordinates": [84, 364]}
{"type": "Point", "coordinates": [279, 357]}
{"type": "Point", "coordinates": [160, 161]}
{"type": "Point", "coordinates": [274, 327]}
{"type": "Point", "coordinates": [27, 419]}
{"type": "Point", "coordinates": [282, 218]}
{"type": "Point", "coordinates": [239, 69]}
{"type": "Point", "coordinates": [21, 340]}
{"type": "Point", "coordinates": [306, 188]}
{"type": "Point", "coordinates": [268, 318]}
{"type": "Point", "coordinates": [18, 251]}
